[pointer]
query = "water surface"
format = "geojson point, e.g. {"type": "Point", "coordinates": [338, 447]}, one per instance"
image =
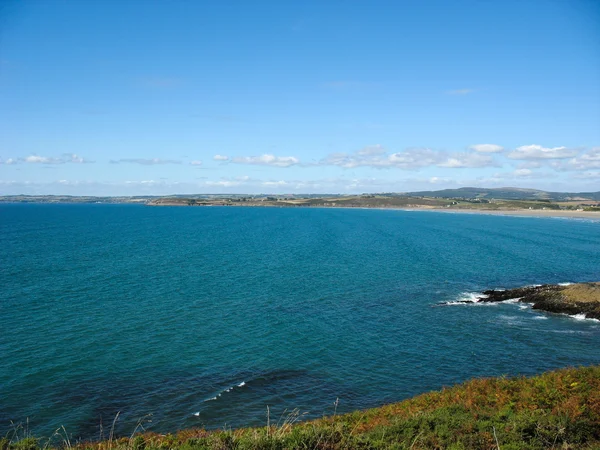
{"type": "Point", "coordinates": [206, 316]}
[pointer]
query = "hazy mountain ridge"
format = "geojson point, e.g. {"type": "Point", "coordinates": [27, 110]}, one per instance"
{"type": "Point", "coordinates": [509, 193]}
{"type": "Point", "coordinates": [505, 193]}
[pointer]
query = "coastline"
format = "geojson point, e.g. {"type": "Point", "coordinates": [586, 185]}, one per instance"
{"type": "Point", "coordinates": [592, 215]}
{"type": "Point", "coordinates": [549, 213]}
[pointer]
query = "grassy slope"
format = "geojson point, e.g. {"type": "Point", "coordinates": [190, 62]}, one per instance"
{"type": "Point", "coordinates": [583, 292]}
{"type": "Point", "coordinates": [559, 409]}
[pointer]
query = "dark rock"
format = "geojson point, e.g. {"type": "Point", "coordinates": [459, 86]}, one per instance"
{"type": "Point", "coordinates": [548, 297]}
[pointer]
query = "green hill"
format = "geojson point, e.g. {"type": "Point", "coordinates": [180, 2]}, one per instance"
{"type": "Point", "coordinates": [507, 193]}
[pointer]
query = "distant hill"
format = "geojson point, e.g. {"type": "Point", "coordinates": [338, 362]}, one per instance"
{"type": "Point", "coordinates": [507, 193]}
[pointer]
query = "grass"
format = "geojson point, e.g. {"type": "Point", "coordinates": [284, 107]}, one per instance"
{"type": "Point", "coordinates": [559, 410]}
{"type": "Point", "coordinates": [582, 292]}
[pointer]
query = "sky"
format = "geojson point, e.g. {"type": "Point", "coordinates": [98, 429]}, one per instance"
{"type": "Point", "coordinates": [136, 97]}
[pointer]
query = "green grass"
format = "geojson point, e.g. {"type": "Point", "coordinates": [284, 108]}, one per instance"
{"type": "Point", "coordinates": [559, 409]}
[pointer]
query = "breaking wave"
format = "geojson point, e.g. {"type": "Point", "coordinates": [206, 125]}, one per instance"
{"type": "Point", "coordinates": [465, 298]}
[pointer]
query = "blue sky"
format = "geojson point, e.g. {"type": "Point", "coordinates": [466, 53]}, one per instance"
{"type": "Point", "coordinates": [163, 97]}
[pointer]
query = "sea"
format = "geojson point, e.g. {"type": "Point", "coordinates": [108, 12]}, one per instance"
{"type": "Point", "coordinates": [123, 318]}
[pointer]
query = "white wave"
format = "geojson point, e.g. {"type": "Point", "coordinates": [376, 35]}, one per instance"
{"type": "Point", "coordinates": [224, 391]}
{"type": "Point", "coordinates": [196, 414]}
{"type": "Point", "coordinates": [539, 318]}
{"type": "Point", "coordinates": [568, 331]}
{"type": "Point", "coordinates": [583, 317]}
{"type": "Point", "coordinates": [511, 320]}
{"type": "Point", "coordinates": [567, 283]}
{"type": "Point", "coordinates": [524, 306]}
{"type": "Point", "coordinates": [472, 297]}
{"type": "Point", "coordinates": [466, 298]}
{"type": "Point", "coordinates": [511, 300]}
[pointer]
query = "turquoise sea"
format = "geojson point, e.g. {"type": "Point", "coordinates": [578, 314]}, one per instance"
{"type": "Point", "coordinates": [186, 317]}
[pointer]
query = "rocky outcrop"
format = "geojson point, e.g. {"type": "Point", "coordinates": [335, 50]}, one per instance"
{"type": "Point", "coordinates": [581, 298]}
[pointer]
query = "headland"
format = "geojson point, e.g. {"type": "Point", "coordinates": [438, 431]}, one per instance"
{"type": "Point", "coordinates": [580, 299]}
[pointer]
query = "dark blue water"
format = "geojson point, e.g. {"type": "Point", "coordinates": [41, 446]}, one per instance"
{"type": "Point", "coordinates": [206, 316]}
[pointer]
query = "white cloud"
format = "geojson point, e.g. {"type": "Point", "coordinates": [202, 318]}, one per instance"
{"type": "Point", "coordinates": [35, 159]}
{"type": "Point", "coordinates": [223, 183]}
{"type": "Point", "coordinates": [438, 180]}
{"type": "Point", "coordinates": [409, 159]}
{"type": "Point", "coordinates": [460, 91]}
{"type": "Point", "coordinates": [221, 158]}
{"type": "Point", "coordinates": [74, 158]}
{"type": "Point", "coordinates": [414, 158]}
{"type": "Point", "coordinates": [464, 160]}
{"type": "Point", "coordinates": [486, 148]}
{"type": "Point", "coordinates": [267, 160]}
{"type": "Point", "coordinates": [585, 161]}
{"type": "Point", "coordinates": [196, 163]}
{"type": "Point", "coordinates": [539, 152]}
{"type": "Point", "coordinates": [274, 183]}
{"type": "Point", "coordinates": [523, 172]}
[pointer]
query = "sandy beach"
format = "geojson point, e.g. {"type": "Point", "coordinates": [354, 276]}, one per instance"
{"type": "Point", "coordinates": [591, 215]}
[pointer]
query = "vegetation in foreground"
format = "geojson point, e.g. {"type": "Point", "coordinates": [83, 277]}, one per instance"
{"type": "Point", "coordinates": [559, 409]}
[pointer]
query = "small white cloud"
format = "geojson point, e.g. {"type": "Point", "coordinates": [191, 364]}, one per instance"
{"type": "Point", "coordinates": [196, 163]}
{"type": "Point", "coordinates": [467, 160]}
{"type": "Point", "coordinates": [414, 158]}
{"type": "Point", "coordinates": [487, 148]}
{"type": "Point", "coordinates": [8, 161]}
{"type": "Point", "coordinates": [221, 158]}
{"type": "Point", "coordinates": [460, 91]}
{"type": "Point", "coordinates": [522, 172]}
{"type": "Point", "coordinates": [74, 158]}
{"type": "Point", "coordinates": [35, 159]}
{"type": "Point", "coordinates": [223, 183]}
{"type": "Point", "coordinates": [274, 183]}
{"type": "Point", "coordinates": [539, 152]}
{"type": "Point", "coordinates": [267, 160]}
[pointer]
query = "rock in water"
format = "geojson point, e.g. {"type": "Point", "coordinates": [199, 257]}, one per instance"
{"type": "Point", "coordinates": [581, 298]}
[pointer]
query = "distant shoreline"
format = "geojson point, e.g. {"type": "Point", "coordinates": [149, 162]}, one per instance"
{"type": "Point", "coordinates": [549, 213]}
{"type": "Point", "coordinates": [593, 215]}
